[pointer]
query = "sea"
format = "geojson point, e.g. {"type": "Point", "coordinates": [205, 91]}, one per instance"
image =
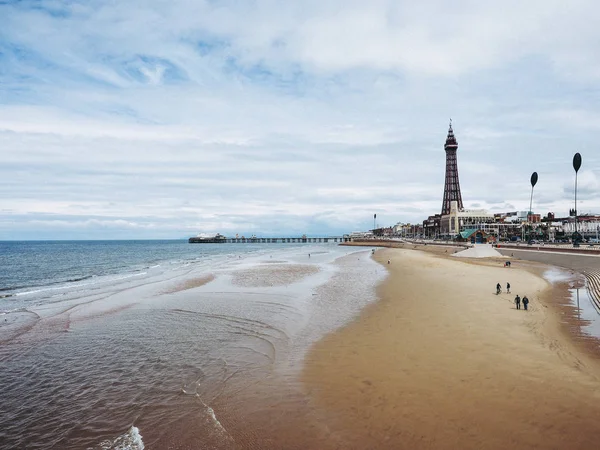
{"type": "Point", "coordinates": [165, 344]}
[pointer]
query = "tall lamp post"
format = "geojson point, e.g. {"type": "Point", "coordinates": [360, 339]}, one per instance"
{"type": "Point", "coordinates": [576, 166]}
{"type": "Point", "coordinates": [533, 180]}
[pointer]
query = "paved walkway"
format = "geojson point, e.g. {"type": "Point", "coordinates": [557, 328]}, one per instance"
{"type": "Point", "coordinates": [575, 261]}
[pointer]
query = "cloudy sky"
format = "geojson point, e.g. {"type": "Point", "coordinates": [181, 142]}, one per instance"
{"type": "Point", "coordinates": [165, 118]}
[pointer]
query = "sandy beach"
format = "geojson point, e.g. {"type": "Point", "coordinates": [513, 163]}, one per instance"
{"type": "Point", "coordinates": [442, 362]}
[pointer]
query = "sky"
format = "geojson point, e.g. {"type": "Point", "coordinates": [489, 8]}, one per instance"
{"type": "Point", "coordinates": [168, 118]}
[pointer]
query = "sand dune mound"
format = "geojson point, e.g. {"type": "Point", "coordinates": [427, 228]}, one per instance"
{"type": "Point", "coordinates": [479, 251]}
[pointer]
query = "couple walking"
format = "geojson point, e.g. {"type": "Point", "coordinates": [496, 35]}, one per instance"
{"type": "Point", "coordinates": [518, 302]}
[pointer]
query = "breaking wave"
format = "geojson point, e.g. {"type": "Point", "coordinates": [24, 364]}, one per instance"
{"type": "Point", "coordinates": [131, 440]}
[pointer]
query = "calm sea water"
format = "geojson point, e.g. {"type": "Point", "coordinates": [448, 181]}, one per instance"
{"type": "Point", "coordinates": [32, 271]}
{"type": "Point", "coordinates": [101, 348]}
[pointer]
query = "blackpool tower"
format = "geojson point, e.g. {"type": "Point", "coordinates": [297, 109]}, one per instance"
{"type": "Point", "coordinates": [451, 185]}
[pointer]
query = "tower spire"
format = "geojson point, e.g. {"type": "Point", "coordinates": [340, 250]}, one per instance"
{"type": "Point", "coordinates": [451, 185]}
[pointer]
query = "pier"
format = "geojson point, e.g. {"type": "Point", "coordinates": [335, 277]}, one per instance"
{"type": "Point", "coordinates": [268, 240]}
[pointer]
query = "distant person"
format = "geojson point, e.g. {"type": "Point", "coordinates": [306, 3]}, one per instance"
{"type": "Point", "coordinates": [388, 261]}
{"type": "Point", "coordinates": [525, 303]}
{"type": "Point", "coordinates": [498, 289]}
{"type": "Point", "coordinates": [508, 288]}
{"type": "Point", "coordinates": [518, 302]}
{"type": "Point", "coordinates": [309, 255]}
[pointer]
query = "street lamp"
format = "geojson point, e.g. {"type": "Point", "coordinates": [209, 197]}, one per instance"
{"type": "Point", "coordinates": [576, 166]}
{"type": "Point", "coordinates": [533, 180]}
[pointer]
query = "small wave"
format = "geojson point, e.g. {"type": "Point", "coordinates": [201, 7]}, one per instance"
{"type": "Point", "coordinates": [12, 288]}
{"type": "Point", "coordinates": [132, 440]}
{"type": "Point", "coordinates": [49, 283]}
{"type": "Point", "coordinates": [98, 280]}
{"type": "Point", "coordinates": [216, 423]}
{"type": "Point", "coordinates": [74, 280]}
{"type": "Point", "coordinates": [15, 310]}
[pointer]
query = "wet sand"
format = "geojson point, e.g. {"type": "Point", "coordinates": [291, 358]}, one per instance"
{"type": "Point", "coordinates": [442, 362]}
{"type": "Point", "coordinates": [190, 284]}
{"type": "Point", "coordinates": [273, 275]}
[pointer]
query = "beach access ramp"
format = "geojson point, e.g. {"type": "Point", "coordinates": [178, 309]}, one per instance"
{"type": "Point", "coordinates": [479, 251]}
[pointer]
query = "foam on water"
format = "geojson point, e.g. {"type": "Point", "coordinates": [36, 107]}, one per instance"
{"type": "Point", "coordinates": [218, 427]}
{"type": "Point", "coordinates": [131, 440]}
{"type": "Point", "coordinates": [73, 285]}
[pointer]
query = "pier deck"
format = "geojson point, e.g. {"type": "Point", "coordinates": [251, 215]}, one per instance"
{"type": "Point", "coordinates": [269, 240]}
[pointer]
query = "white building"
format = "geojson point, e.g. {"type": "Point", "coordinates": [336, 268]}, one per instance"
{"type": "Point", "coordinates": [586, 225]}
{"type": "Point", "coordinates": [458, 221]}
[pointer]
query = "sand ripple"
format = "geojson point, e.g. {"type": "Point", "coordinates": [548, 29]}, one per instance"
{"type": "Point", "coordinates": [273, 275]}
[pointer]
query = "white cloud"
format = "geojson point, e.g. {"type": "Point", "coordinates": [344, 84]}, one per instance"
{"type": "Point", "coordinates": [164, 117]}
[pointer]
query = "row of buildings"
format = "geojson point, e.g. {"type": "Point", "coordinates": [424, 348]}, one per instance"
{"type": "Point", "coordinates": [456, 222]}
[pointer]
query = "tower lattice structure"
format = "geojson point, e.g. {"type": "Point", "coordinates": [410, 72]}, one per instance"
{"type": "Point", "coordinates": [451, 185]}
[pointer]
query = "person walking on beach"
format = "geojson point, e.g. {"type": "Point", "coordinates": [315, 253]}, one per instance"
{"type": "Point", "coordinates": [525, 303]}
{"type": "Point", "coordinates": [518, 301]}
{"type": "Point", "coordinates": [508, 288]}
{"type": "Point", "coordinates": [498, 289]}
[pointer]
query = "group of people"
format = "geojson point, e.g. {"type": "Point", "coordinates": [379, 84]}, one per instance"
{"type": "Point", "coordinates": [518, 299]}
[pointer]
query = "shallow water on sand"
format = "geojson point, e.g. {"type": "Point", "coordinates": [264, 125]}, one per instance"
{"type": "Point", "coordinates": [587, 314]}
{"type": "Point", "coordinates": [135, 366]}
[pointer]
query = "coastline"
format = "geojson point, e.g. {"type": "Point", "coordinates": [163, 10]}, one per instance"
{"type": "Point", "coordinates": [295, 352]}
{"type": "Point", "coordinates": [440, 361]}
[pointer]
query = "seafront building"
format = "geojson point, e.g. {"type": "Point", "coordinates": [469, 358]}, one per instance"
{"type": "Point", "coordinates": [587, 225]}
{"type": "Point", "coordinates": [412, 230]}
{"type": "Point", "coordinates": [458, 220]}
